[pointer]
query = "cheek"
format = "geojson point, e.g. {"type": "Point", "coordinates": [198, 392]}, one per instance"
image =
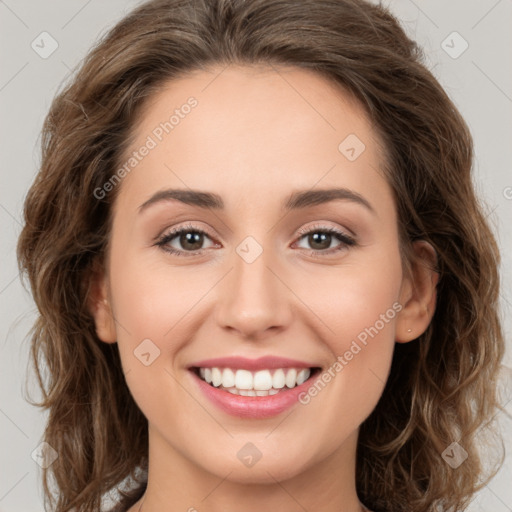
{"type": "Point", "coordinates": [352, 299]}
{"type": "Point", "coordinates": [340, 303]}
{"type": "Point", "coordinates": [156, 307]}
{"type": "Point", "coordinates": [152, 307]}
{"type": "Point", "coordinates": [152, 297]}
{"type": "Point", "coordinates": [355, 308]}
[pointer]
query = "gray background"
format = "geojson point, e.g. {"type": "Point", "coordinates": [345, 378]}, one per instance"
{"type": "Point", "coordinates": [479, 80]}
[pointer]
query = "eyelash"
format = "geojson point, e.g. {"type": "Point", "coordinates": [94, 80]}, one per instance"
{"type": "Point", "coordinates": [346, 240]}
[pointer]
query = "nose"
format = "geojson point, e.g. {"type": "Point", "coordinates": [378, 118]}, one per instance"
{"type": "Point", "coordinates": [254, 301]}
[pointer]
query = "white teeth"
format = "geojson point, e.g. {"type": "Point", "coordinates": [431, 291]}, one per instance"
{"type": "Point", "coordinates": [303, 376]}
{"type": "Point", "coordinates": [278, 379]}
{"type": "Point", "coordinates": [260, 383]}
{"type": "Point", "coordinates": [216, 377]}
{"type": "Point", "coordinates": [228, 378]}
{"type": "Point", "coordinates": [252, 392]}
{"type": "Point", "coordinates": [262, 380]}
{"type": "Point", "coordinates": [243, 379]}
{"type": "Point", "coordinates": [291, 378]}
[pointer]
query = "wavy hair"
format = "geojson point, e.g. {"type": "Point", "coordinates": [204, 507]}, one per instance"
{"type": "Point", "coordinates": [442, 387]}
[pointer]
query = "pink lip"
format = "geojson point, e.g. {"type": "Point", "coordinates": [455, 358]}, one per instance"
{"type": "Point", "coordinates": [242, 363]}
{"type": "Point", "coordinates": [255, 407]}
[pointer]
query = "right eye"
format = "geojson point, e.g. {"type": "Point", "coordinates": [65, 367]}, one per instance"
{"type": "Point", "coordinates": [187, 236]}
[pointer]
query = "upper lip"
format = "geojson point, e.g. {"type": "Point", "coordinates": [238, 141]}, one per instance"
{"type": "Point", "coordinates": [243, 363]}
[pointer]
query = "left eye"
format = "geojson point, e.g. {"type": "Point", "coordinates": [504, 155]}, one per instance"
{"type": "Point", "coordinates": [191, 240]}
{"type": "Point", "coordinates": [321, 239]}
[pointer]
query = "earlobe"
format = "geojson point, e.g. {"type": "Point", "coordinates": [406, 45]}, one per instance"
{"type": "Point", "coordinates": [418, 294]}
{"type": "Point", "coordinates": [99, 307]}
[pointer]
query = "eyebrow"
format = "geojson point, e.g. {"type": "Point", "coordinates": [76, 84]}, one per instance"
{"type": "Point", "coordinates": [297, 200]}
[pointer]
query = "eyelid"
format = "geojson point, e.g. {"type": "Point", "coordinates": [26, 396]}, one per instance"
{"type": "Point", "coordinates": [177, 229]}
{"type": "Point", "coordinates": [325, 227]}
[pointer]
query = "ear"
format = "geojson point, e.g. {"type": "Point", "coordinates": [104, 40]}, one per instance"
{"type": "Point", "coordinates": [98, 303]}
{"type": "Point", "coordinates": [418, 293]}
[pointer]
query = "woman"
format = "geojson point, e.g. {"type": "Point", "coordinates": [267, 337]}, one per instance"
{"type": "Point", "coordinates": [263, 275]}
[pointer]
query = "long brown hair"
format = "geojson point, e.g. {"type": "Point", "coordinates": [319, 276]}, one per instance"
{"type": "Point", "coordinates": [442, 387]}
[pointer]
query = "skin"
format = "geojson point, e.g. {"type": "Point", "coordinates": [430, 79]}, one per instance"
{"type": "Point", "coordinates": [256, 136]}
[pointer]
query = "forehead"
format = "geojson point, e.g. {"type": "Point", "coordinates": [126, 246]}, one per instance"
{"type": "Point", "coordinates": [252, 132]}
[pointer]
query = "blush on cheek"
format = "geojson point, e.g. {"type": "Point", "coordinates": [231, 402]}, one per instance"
{"type": "Point", "coordinates": [370, 347]}
{"type": "Point", "coordinates": [364, 348]}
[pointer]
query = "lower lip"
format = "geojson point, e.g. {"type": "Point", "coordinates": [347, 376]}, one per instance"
{"type": "Point", "coordinates": [256, 407]}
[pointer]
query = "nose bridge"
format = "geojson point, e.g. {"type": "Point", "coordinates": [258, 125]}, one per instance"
{"type": "Point", "coordinates": [254, 299]}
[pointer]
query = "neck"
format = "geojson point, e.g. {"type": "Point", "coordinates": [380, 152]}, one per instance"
{"type": "Point", "coordinates": [327, 484]}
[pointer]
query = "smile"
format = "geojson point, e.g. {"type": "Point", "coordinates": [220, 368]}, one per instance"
{"type": "Point", "coordinates": [253, 388]}
{"type": "Point", "coordinates": [259, 383]}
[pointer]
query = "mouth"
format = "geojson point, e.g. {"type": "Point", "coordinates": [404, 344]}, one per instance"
{"type": "Point", "coordinates": [261, 383]}
{"type": "Point", "coordinates": [253, 388]}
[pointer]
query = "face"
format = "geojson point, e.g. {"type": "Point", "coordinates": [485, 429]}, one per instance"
{"type": "Point", "coordinates": [267, 281]}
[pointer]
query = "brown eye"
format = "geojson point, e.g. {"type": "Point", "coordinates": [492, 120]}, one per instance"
{"type": "Point", "coordinates": [191, 240]}
{"type": "Point", "coordinates": [320, 240]}
{"type": "Point", "coordinates": [184, 241]}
